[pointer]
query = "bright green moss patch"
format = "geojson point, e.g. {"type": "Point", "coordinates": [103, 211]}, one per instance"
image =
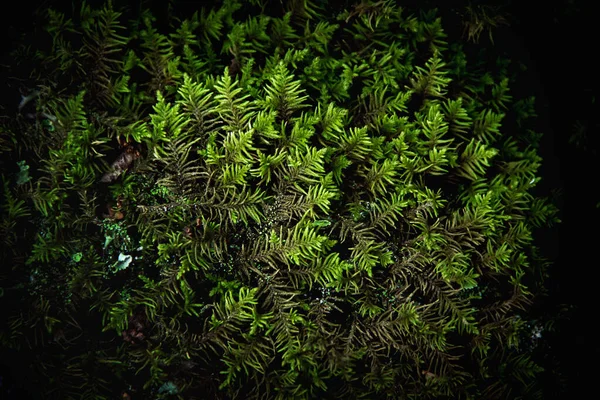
{"type": "Point", "coordinates": [267, 200]}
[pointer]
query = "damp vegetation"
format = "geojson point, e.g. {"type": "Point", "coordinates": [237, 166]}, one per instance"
{"type": "Point", "coordinates": [270, 200]}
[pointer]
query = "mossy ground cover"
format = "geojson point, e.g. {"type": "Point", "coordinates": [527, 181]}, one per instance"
{"type": "Point", "coordinates": [273, 200]}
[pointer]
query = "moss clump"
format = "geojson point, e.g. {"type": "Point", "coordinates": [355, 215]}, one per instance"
{"type": "Point", "coordinates": [267, 201]}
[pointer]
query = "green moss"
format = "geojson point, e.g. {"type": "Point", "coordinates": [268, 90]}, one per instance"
{"type": "Point", "coordinates": [280, 200]}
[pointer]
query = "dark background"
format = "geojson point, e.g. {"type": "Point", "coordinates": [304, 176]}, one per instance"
{"type": "Point", "coordinates": [558, 42]}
